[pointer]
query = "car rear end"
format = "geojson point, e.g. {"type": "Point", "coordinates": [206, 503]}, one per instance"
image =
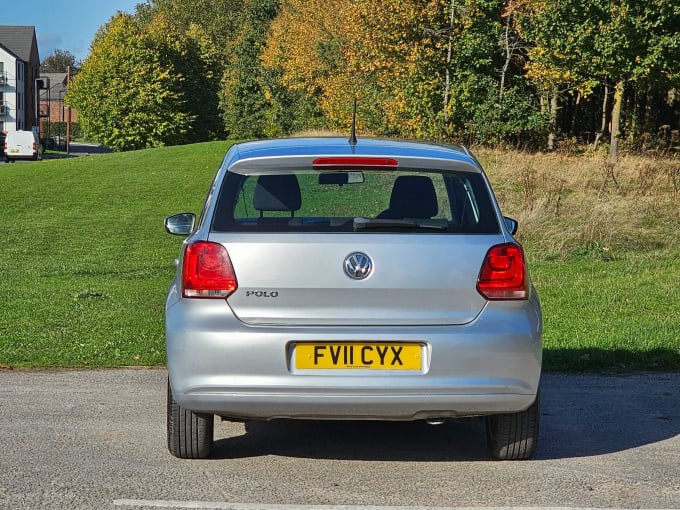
{"type": "Point", "coordinates": [329, 281]}
{"type": "Point", "coordinates": [22, 145]}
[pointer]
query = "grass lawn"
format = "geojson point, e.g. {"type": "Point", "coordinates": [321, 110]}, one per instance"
{"type": "Point", "coordinates": [85, 260]}
{"type": "Point", "coordinates": [85, 263]}
{"type": "Point", "coordinates": [616, 316]}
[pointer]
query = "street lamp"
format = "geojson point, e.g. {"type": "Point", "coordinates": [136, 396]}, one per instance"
{"type": "Point", "coordinates": [61, 123]}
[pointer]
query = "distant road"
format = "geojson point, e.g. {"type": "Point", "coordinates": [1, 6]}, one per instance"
{"type": "Point", "coordinates": [84, 149]}
{"type": "Point", "coordinates": [96, 440]}
{"type": "Point", "coordinates": [76, 149]}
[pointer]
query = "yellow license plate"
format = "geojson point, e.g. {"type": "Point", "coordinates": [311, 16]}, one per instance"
{"type": "Point", "coordinates": [14, 151]}
{"type": "Point", "coordinates": [365, 356]}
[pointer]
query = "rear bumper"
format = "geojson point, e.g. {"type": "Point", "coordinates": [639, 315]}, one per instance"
{"type": "Point", "coordinates": [394, 405]}
{"type": "Point", "coordinates": [218, 365]}
{"type": "Point", "coordinates": [27, 157]}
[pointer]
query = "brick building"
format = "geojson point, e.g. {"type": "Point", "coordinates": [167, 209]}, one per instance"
{"type": "Point", "coordinates": [54, 113]}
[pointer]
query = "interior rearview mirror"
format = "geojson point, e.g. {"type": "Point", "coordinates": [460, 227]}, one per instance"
{"type": "Point", "coordinates": [341, 178]}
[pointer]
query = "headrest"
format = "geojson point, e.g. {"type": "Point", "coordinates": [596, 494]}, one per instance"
{"type": "Point", "coordinates": [413, 196]}
{"type": "Point", "coordinates": [277, 193]}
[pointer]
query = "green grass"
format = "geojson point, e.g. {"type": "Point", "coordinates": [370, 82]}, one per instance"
{"type": "Point", "coordinates": [618, 315]}
{"type": "Point", "coordinates": [85, 263]}
{"type": "Point", "coordinates": [84, 258]}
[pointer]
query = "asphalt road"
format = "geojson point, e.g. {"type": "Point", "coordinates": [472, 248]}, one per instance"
{"type": "Point", "coordinates": [76, 149]}
{"type": "Point", "coordinates": [96, 440]}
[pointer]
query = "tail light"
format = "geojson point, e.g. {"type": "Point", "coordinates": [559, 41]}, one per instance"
{"type": "Point", "coordinates": [207, 271]}
{"type": "Point", "coordinates": [503, 274]}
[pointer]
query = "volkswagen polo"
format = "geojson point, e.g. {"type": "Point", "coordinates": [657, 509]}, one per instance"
{"type": "Point", "coordinates": [356, 280]}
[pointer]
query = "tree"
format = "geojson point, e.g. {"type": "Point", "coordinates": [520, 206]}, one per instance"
{"type": "Point", "coordinates": [376, 51]}
{"type": "Point", "coordinates": [244, 99]}
{"type": "Point", "coordinates": [617, 44]}
{"type": "Point", "coordinates": [305, 50]}
{"type": "Point", "coordinates": [128, 95]}
{"type": "Point", "coordinates": [59, 62]}
{"type": "Point", "coordinates": [434, 63]}
{"type": "Point", "coordinates": [236, 30]}
{"type": "Point", "coordinates": [638, 43]}
{"type": "Point", "coordinates": [189, 53]}
{"type": "Point", "coordinates": [560, 42]}
{"type": "Point", "coordinates": [496, 71]}
{"type": "Point", "coordinates": [220, 20]}
{"type": "Point", "coordinates": [407, 63]}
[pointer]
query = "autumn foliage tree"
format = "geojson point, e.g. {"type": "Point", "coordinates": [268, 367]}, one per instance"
{"type": "Point", "coordinates": [610, 44]}
{"type": "Point", "coordinates": [335, 51]}
{"type": "Point", "coordinates": [306, 50]}
{"type": "Point", "coordinates": [419, 69]}
{"type": "Point", "coordinates": [141, 86]}
{"type": "Point", "coordinates": [531, 73]}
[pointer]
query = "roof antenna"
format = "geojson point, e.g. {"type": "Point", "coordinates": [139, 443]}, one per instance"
{"type": "Point", "coordinates": [353, 133]}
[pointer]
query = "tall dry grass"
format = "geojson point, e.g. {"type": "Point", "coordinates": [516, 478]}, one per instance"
{"type": "Point", "coordinates": [581, 204]}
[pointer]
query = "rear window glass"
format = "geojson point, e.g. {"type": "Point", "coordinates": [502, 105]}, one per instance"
{"type": "Point", "coordinates": [355, 201]}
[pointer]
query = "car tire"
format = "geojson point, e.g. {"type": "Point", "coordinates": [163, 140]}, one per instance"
{"type": "Point", "coordinates": [190, 434]}
{"type": "Point", "coordinates": [514, 436]}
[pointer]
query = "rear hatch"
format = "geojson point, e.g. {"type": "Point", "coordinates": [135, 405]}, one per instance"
{"type": "Point", "coordinates": [21, 143]}
{"type": "Point", "coordinates": [386, 246]}
{"type": "Point", "coordinates": [301, 278]}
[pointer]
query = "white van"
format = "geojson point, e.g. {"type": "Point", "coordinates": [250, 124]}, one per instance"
{"type": "Point", "coordinates": [22, 145]}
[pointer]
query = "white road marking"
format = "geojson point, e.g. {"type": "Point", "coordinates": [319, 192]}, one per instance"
{"type": "Point", "coordinates": [214, 505]}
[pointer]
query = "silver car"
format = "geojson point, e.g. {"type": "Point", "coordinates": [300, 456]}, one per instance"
{"type": "Point", "coordinates": [367, 280]}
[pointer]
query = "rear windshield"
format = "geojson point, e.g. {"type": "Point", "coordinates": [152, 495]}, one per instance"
{"type": "Point", "coordinates": [355, 201]}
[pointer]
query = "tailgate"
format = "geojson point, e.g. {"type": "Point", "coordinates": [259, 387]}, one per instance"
{"type": "Point", "coordinates": [300, 279]}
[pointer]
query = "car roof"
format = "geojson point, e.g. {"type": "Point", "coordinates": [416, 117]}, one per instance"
{"type": "Point", "coordinates": [268, 155]}
{"type": "Point", "coordinates": [20, 132]}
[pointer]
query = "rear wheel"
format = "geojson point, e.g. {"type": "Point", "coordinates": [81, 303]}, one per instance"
{"type": "Point", "coordinates": [513, 436]}
{"type": "Point", "coordinates": [190, 434]}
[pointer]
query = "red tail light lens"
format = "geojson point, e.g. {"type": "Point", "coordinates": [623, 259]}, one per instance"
{"type": "Point", "coordinates": [503, 274]}
{"type": "Point", "coordinates": [208, 271]}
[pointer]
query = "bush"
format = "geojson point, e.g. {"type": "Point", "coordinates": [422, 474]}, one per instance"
{"type": "Point", "coordinates": [58, 130]}
{"type": "Point", "coordinates": [514, 121]}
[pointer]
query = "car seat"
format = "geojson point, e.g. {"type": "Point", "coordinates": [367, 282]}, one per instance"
{"type": "Point", "coordinates": [277, 193]}
{"type": "Point", "coordinates": [413, 196]}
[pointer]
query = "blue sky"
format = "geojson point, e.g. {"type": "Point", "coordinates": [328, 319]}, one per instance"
{"type": "Point", "coordinates": [63, 24]}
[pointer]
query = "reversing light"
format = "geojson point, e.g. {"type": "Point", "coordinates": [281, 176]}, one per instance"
{"type": "Point", "coordinates": [207, 271]}
{"type": "Point", "coordinates": [503, 275]}
{"type": "Point", "coordinates": [344, 162]}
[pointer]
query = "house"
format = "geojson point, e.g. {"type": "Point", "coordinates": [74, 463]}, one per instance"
{"type": "Point", "coordinates": [19, 73]}
{"type": "Point", "coordinates": [53, 112]}
{"type": "Point", "coordinates": [52, 97]}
